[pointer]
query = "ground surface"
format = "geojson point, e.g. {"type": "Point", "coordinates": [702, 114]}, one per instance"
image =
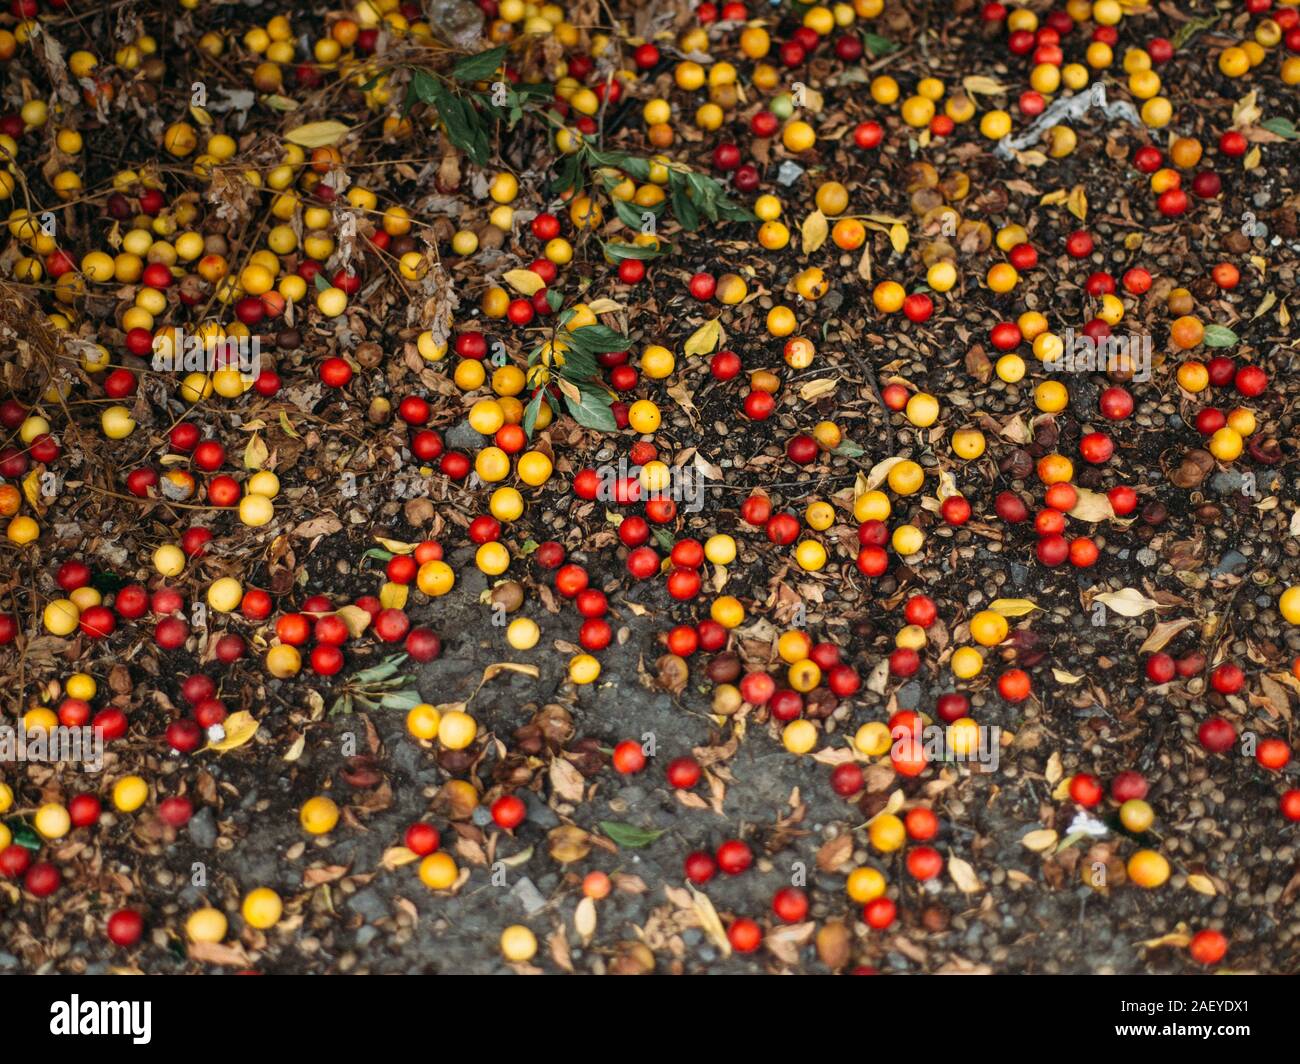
{"type": "Point", "coordinates": [1197, 567]}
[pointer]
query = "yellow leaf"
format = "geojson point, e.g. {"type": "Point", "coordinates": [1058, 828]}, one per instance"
{"type": "Point", "coordinates": [898, 237]}
{"type": "Point", "coordinates": [964, 876]}
{"type": "Point", "coordinates": [603, 306]}
{"type": "Point", "coordinates": [255, 454]}
{"type": "Point", "coordinates": [1246, 112]}
{"type": "Point", "coordinates": [814, 232]}
{"type": "Point", "coordinates": [396, 856]}
{"type": "Point", "coordinates": [705, 339]}
{"type": "Point", "coordinates": [32, 490]}
{"type": "Point", "coordinates": [878, 473]}
{"type": "Point", "coordinates": [1061, 676]}
{"type": "Point", "coordinates": [1013, 607]}
{"type": "Point", "coordinates": [1266, 304]}
{"type": "Point", "coordinates": [1127, 602]}
{"type": "Point", "coordinates": [1202, 885]}
{"type": "Point", "coordinates": [357, 619]}
{"type": "Point", "coordinates": [240, 728]}
{"type": "Point", "coordinates": [317, 134]}
{"type": "Point", "coordinates": [864, 263]}
{"type": "Point", "coordinates": [816, 389]}
{"type": "Point", "coordinates": [393, 596]}
{"type": "Point", "coordinates": [1077, 203]}
{"type": "Point", "coordinates": [525, 282]}
{"type": "Point", "coordinates": [287, 426]}
{"type": "Point", "coordinates": [709, 920]}
{"type": "Point", "coordinates": [1030, 158]}
{"type": "Point", "coordinates": [499, 667]}
{"type": "Point", "coordinates": [1251, 161]}
{"type": "Point", "coordinates": [978, 85]}
{"type": "Point", "coordinates": [584, 919]}
{"type": "Point", "coordinates": [201, 115]}
{"type": "Point", "coordinates": [1092, 506]}
{"type": "Point", "coordinates": [1040, 840]}
{"type": "Point", "coordinates": [1053, 198]}
{"type": "Point", "coordinates": [395, 546]}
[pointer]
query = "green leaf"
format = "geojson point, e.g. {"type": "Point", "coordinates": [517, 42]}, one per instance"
{"type": "Point", "coordinates": [531, 411]}
{"type": "Point", "coordinates": [877, 45]}
{"type": "Point", "coordinates": [378, 553]}
{"type": "Point", "coordinates": [849, 449]}
{"type": "Point", "coordinates": [464, 125]}
{"type": "Point", "coordinates": [554, 299]}
{"type": "Point", "coordinates": [320, 282]}
{"type": "Point", "coordinates": [1282, 127]}
{"type": "Point", "coordinates": [407, 699]}
{"type": "Point", "coordinates": [593, 411]}
{"type": "Point", "coordinates": [479, 67]}
{"type": "Point", "coordinates": [1219, 336]}
{"type": "Point", "coordinates": [619, 252]}
{"type": "Point", "coordinates": [598, 340]}
{"type": "Point", "coordinates": [631, 215]}
{"type": "Point", "coordinates": [424, 86]}
{"type": "Point", "coordinates": [24, 835]}
{"type": "Point", "coordinates": [629, 836]}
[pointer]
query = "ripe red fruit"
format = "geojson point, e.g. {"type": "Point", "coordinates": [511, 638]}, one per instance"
{"type": "Point", "coordinates": [790, 905]}
{"type": "Point", "coordinates": [1010, 507]}
{"type": "Point", "coordinates": [643, 562]}
{"type": "Point", "coordinates": [1116, 403]}
{"type": "Point", "coordinates": [1128, 784]}
{"type": "Point", "coordinates": [1250, 381]}
{"type": "Point", "coordinates": [1005, 335]}
{"type": "Point", "coordinates": [758, 406]}
{"type": "Point", "coordinates": [921, 823]}
{"type": "Point", "coordinates": [1172, 202]}
{"type": "Point", "coordinates": [868, 134]}
{"type": "Point", "coordinates": [1052, 550]}
{"type": "Point", "coordinates": [1216, 735]}
{"type": "Point", "coordinates": [1079, 244]}
{"type": "Point", "coordinates": [1290, 804]}
{"type": "Point", "coordinates": [1086, 789]}
{"type": "Point", "coordinates": [1023, 257]}
{"type": "Point", "coordinates": [1136, 281]}
{"type": "Point", "coordinates": [904, 661]}
{"type": "Point", "coordinates": [1232, 143]}
{"type": "Point", "coordinates": [1083, 552]}
{"type": "Point", "coordinates": [1227, 679]}
{"type": "Point", "coordinates": [335, 372]}
{"type": "Point", "coordinates": [124, 927]}
{"type": "Point", "coordinates": [918, 307]}
{"type": "Point", "coordinates": [683, 773]}
{"type": "Point", "coordinates": [924, 862]}
{"type": "Point", "coordinates": [955, 510]}
{"type": "Point", "coordinates": [745, 935]}
{"type": "Point", "coordinates": [702, 286]}
{"type": "Point", "coordinates": [629, 758]}
{"type": "Point", "coordinates": [176, 811]}
{"type": "Point", "coordinates": [392, 625]}
{"type": "Point", "coordinates": [700, 867]}
{"type": "Point", "coordinates": [42, 879]}
{"type": "Point", "coordinates": [843, 680]}
{"type": "Point", "coordinates": [1160, 668]}
{"type": "Point", "coordinates": [1148, 159]}
{"type": "Point", "coordinates": [879, 913]}
{"type": "Point", "coordinates": [14, 860]}
{"type": "Point", "coordinates": [171, 632]}
{"type": "Point", "coordinates": [683, 641]}
{"type": "Point", "coordinates": [757, 687]}
{"type": "Point", "coordinates": [422, 839]}
{"type": "Point", "coordinates": [734, 857]}
{"type": "Point", "coordinates": [952, 706]}
{"type": "Point", "coordinates": [509, 811]}
{"type": "Point", "coordinates": [1273, 754]}
{"type": "Point", "coordinates": [1207, 947]}
{"type": "Point", "coordinates": [1014, 685]}
{"type": "Point", "coordinates": [847, 779]}
{"type": "Point", "coordinates": [725, 365]}
{"type": "Point", "coordinates": [801, 449]}
{"type": "Point", "coordinates": [712, 635]}
{"type": "Point", "coordinates": [84, 810]}
{"type": "Point", "coordinates": [595, 634]}
{"type": "Point", "coordinates": [1123, 500]}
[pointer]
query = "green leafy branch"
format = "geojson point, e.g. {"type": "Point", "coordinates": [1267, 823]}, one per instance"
{"type": "Point", "coordinates": [574, 373]}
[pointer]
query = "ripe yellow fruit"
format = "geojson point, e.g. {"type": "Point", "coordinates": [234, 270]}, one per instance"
{"type": "Point", "coordinates": [225, 594]}
{"type": "Point", "coordinates": [255, 510]}
{"type": "Point", "coordinates": [283, 661]}
{"type": "Point", "coordinates": [206, 925]}
{"type": "Point", "coordinates": [435, 578]}
{"type": "Point", "coordinates": [865, 884]}
{"type": "Point", "coordinates": [887, 833]}
{"type": "Point", "coordinates": [262, 908]}
{"type": "Point", "coordinates": [1289, 604]}
{"type": "Point", "coordinates": [60, 616]}
{"type": "Point", "coordinates": [457, 729]}
{"type": "Point", "coordinates": [422, 721]}
{"type": "Point", "coordinates": [518, 943]}
{"type": "Point", "coordinates": [52, 821]}
{"type": "Point", "coordinates": [438, 871]}
{"type": "Point", "coordinates": [130, 793]}
{"type": "Point", "coordinates": [583, 669]}
{"type": "Point", "coordinates": [522, 633]}
{"type": "Point", "coordinates": [1149, 869]}
{"type": "Point", "coordinates": [318, 815]}
{"type": "Point", "coordinates": [799, 736]}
